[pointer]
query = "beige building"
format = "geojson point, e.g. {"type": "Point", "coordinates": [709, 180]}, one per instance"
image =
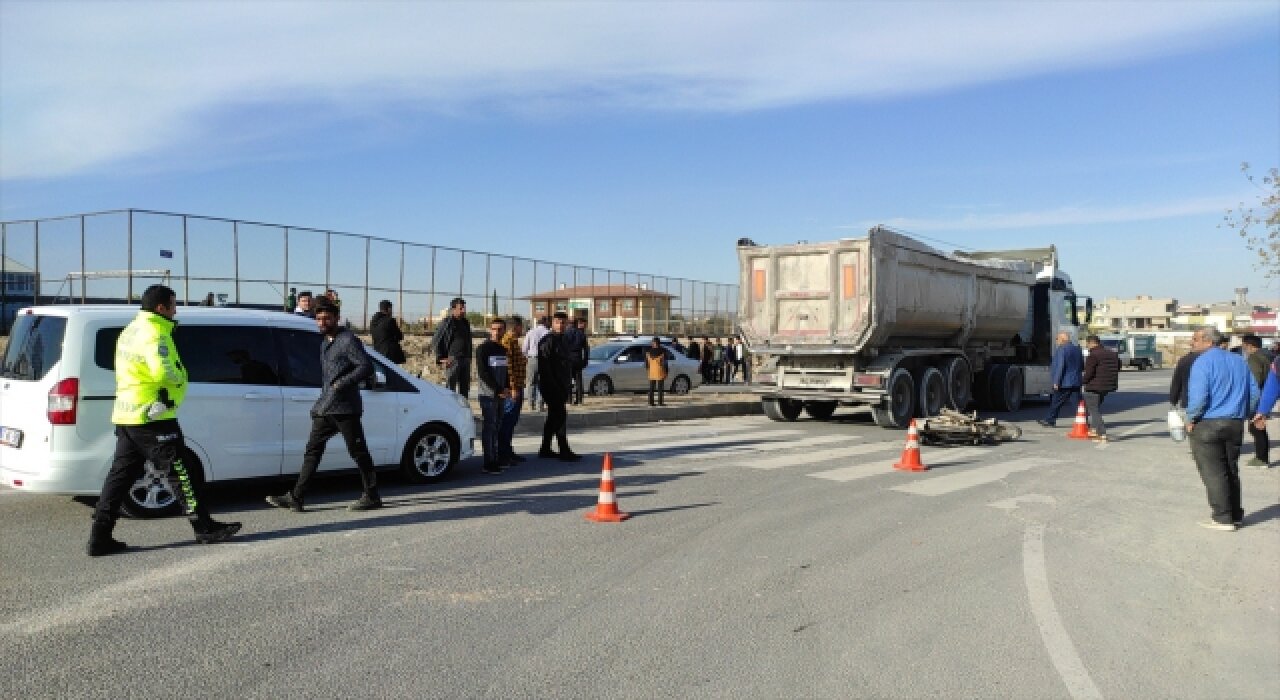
{"type": "Point", "coordinates": [608, 308]}
{"type": "Point", "coordinates": [1143, 312]}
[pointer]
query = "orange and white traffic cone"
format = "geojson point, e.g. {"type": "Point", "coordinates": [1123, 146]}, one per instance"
{"type": "Point", "coordinates": [1080, 429]}
{"type": "Point", "coordinates": [910, 460]}
{"type": "Point", "coordinates": [607, 505]}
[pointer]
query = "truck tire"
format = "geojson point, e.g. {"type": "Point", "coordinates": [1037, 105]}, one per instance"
{"type": "Point", "coordinates": [1006, 388]}
{"type": "Point", "coordinates": [959, 382]}
{"type": "Point", "coordinates": [782, 410]}
{"type": "Point", "coordinates": [933, 392]}
{"type": "Point", "coordinates": [820, 410]}
{"type": "Point", "coordinates": [899, 401]}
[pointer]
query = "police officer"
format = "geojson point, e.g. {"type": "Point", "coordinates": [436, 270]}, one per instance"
{"type": "Point", "coordinates": [150, 385]}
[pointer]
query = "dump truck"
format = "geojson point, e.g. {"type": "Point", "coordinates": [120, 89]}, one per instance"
{"type": "Point", "coordinates": [889, 322]}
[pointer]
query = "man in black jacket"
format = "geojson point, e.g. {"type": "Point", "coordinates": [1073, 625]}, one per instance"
{"type": "Point", "coordinates": [344, 365]}
{"type": "Point", "coordinates": [1101, 377]}
{"type": "Point", "coordinates": [386, 333]}
{"type": "Point", "coordinates": [554, 376]}
{"type": "Point", "coordinates": [452, 344]}
{"type": "Point", "coordinates": [494, 390]}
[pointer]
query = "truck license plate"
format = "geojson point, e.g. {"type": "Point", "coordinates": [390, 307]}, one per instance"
{"type": "Point", "coordinates": [10, 436]}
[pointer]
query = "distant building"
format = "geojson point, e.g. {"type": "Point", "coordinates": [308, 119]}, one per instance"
{"type": "Point", "coordinates": [1142, 313]}
{"type": "Point", "coordinates": [608, 309]}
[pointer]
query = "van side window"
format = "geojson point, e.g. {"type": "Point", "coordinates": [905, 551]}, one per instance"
{"type": "Point", "coordinates": [104, 347]}
{"type": "Point", "coordinates": [300, 351]}
{"type": "Point", "coordinates": [227, 354]}
{"type": "Point", "coordinates": [35, 346]}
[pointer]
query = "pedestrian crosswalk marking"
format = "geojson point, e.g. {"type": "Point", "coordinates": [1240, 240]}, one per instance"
{"type": "Point", "coordinates": [755, 438]}
{"type": "Point", "coordinates": [797, 458]}
{"type": "Point", "coordinates": [957, 481]}
{"type": "Point", "coordinates": [641, 435]}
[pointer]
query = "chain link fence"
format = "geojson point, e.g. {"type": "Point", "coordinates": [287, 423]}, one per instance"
{"type": "Point", "coordinates": [112, 256]}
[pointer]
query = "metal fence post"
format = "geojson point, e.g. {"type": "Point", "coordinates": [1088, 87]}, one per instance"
{"type": "Point", "coordinates": [365, 315]}
{"type": "Point", "coordinates": [35, 289]}
{"type": "Point", "coordinates": [400, 289]}
{"type": "Point", "coordinates": [285, 287]}
{"type": "Point", "coordinates": [186, 264]}
{"type": "Point", "coordinates": [128, 273]}
{"type": "Point", "coordinates": [327, 238]}
{"type": "Point", "coordinates": [235, 253]}
{"type": "Point", "coordinates": [83, 292]}
{"type": "Point", "coordinates": [431, 296]}
{"type": "Point", "coordinates": [4, 278]}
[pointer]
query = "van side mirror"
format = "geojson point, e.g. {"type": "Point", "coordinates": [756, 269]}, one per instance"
{"type": "Point", "coordinates": [1088, 310]}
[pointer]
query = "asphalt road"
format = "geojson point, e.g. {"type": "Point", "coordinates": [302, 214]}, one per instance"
{"type": "Point", "coordinates": [762, 560]}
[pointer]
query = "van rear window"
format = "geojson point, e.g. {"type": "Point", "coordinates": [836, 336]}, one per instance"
{"type": "Point", "coordinates": [35, 346]}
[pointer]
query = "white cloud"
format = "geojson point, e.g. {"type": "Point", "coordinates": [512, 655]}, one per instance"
{"type": "Point", "coordinates": [1065, 216]}
{"type": "Point", "coordinates": [87, 84]}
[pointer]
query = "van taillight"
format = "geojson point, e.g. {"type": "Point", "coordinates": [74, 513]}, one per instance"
{"type": "Point", "coordinates": [62, 402]}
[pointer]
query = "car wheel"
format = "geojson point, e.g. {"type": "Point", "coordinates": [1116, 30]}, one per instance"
{"type": "Point", "coordinates": [158, 494]}
{"type": "Point", "coordinates": [430, 453]}
{"type": "Point", "coordinates": [782, 410]}
{"type": "Point", "coordinates": [601, 386]}
{"type": "Point", "coordinates": [681, 385]}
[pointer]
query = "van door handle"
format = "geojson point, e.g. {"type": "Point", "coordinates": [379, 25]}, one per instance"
{"type": "Point", "coordinates": [302, 399]}
{"type": "Point", "coordinates": [252, 396]}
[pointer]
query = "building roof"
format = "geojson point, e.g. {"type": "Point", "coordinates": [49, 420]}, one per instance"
{"type": "Point", "coordinates": [596, 291]}
{"type": "Point", "coordinates": [11, 265]}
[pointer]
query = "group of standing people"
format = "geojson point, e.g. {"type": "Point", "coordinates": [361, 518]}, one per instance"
{"type": "Point", "coordinates": [720, 362]}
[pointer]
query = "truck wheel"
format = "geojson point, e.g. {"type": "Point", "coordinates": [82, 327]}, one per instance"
{"type": "Point", "coordinates": [1006, 387]}
{"type": "Point", "coordinates": [899, 401]}
{"type": "Point", "coordinates": [959, 382]}
{"type": "Point", "coordinates": [933, 392]}
{"type": "Point", "coordinates": [820, 410]}
{"type": "Point", "coordinates": [782, 410]}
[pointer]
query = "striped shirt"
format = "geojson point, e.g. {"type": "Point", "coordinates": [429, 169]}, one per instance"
{"type": "Point", "coordinates": [516, 361]}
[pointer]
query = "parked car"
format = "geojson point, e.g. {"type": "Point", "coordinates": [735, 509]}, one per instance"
{"type": "Point", "coordinates": [254, 376]}
{"type": "Point", "coordinates": [618, 365]}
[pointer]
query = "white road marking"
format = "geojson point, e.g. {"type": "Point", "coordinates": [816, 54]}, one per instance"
{"type": "Point", "coordinates": [1056, 640]}
{"type": "Point", "coordinates": [760, 440]}
{"type": "Point", "coordinates": [801, 456]}
{"type": "Point", "coordinates": [1135, 429]}
{"type": "Point", "coordinates": [940, 485]}
{"type": "Point", "coordinates": [1015, 502]}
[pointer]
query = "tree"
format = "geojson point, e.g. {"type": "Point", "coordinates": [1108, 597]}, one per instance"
{"type": "Point", "coordinates": [1259, 225]}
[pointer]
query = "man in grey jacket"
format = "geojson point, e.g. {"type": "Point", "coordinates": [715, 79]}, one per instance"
{"type": "Point", "coordinates": [344, 365]}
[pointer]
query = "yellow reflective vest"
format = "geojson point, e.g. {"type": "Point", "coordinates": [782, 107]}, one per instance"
{"type": "Point", "coordinates": [146, 363]}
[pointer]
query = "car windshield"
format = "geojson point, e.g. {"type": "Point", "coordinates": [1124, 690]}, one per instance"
{"type": "Point", "coordinates": [35, 345]}
{"type": "Point", "coordinates": [601, 353]}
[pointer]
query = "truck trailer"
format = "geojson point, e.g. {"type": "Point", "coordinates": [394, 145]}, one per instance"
{"type": "Point", "coordinates": [889, 322]}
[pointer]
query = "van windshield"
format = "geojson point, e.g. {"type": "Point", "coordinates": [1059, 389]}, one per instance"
{"type": "Point", "coordinates": [35, 346]}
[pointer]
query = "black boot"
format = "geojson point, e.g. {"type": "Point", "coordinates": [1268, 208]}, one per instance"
{"type": "Point", "coordinates": [370, 500]}
{"type": "Point", "coordinates": [287, 501]}
{"type": "Point", "coordinates": [210, 531]}
{"type": "Point", "coordinates": [101, 543]}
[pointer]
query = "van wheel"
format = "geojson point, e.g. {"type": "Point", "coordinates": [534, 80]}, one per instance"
{"type": "Point", "coordinates": [430, 453]}
{"type": "Point", "coordinates": [158, 494]}
{"type": "Point", "coordinates": [782, 410]}
{"type": "Point", "coordinates": [680, 385]}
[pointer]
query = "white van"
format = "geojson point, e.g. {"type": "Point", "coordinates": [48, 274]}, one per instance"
{"type": "Point", "coordinates": [254, 376]}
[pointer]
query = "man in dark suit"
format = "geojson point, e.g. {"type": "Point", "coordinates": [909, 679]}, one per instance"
{"type": "Point", "coordinates": [1065, 370]}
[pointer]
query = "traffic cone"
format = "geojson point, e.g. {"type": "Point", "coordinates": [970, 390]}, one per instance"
{"type": "Point", "coordinates": [1080, 429]}
{"type": "Point", "coordinates": [910, 460]}
{"type": "Point", "coordinates": [607, 506]}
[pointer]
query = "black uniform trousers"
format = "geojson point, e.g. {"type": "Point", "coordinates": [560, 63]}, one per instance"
{"type": "Point", "coordinates": [325, 427]}
{"type": "Point", "coordinates": [159, 442]}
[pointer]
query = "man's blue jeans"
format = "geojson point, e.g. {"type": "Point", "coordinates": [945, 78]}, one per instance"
{"type": "Point", "coordinates": [507, 429]}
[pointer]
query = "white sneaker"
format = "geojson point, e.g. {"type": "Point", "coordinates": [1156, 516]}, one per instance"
{"type": "Point", "coordinates": [1215, 525]}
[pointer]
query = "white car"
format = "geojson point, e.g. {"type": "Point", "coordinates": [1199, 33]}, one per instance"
{"type": "Point", "coordinates": [254, 376]}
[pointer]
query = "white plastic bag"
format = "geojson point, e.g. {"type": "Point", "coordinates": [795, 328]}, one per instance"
{"type": "Point", "coordinates": [1177, 426]}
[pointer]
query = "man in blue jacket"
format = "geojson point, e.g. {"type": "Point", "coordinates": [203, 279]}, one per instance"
{"type": "Point", "coordinates": [1221, 394]}
{"type": "Point", "coordinates": [1065, 371]}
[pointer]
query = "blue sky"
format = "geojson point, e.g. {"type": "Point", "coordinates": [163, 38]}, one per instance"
{"type": "Point", "coordinates": [650, 136]}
